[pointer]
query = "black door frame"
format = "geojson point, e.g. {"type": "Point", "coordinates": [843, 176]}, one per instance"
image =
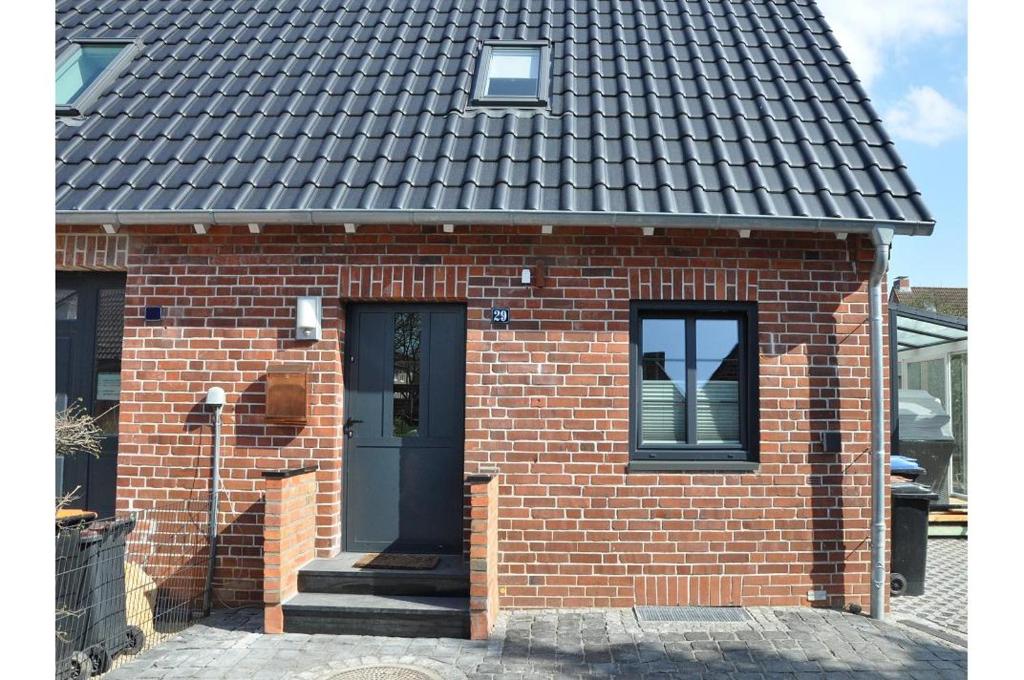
{"type": "Point", "coordinates": [349, 376]}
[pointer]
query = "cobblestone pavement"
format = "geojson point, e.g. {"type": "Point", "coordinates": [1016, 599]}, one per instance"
{"type": "Point", "coordinates": [944, 603]}
{"type": "Point", "coordinates": [602, 643]}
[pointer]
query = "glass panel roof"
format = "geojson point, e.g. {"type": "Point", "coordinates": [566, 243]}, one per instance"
{"type": "Point", "coordinates": [914, 330]}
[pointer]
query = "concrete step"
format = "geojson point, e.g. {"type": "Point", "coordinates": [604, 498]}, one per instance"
{"type": "Point", "coordinates": [338, 575]}
{"type": "Point", "coordinates": [388, 615]}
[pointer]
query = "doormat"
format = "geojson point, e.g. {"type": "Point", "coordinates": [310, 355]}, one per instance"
{"type": "Point", "coordinates": [396, 561]}
{"type": "Point", "coordinates": [692, 614]}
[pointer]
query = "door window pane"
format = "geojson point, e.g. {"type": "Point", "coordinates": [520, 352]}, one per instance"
{"type": "Point", "coordinates": [663, 382]}
{"type": "Point", "coordinates": [718, 406]}
{"type": "Point", "coordinates": [406, 384]}
{"type": "Point", "coordinates": [67, 304]}
{"type": "Point", "coordinates": [109, 336]}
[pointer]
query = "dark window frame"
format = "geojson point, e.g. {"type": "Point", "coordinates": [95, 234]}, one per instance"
{"type": "Point", "coordinates": [482, 99]}
{"type": "Point", "coordinates": [746, 455]}
{"type": "Point", "coordinates": [106, 78]}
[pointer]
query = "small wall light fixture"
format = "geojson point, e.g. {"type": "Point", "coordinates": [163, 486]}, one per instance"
{"type": "Point", "coordinates": [308, 316]}
{"type": "Point", "coordinates": [526, 278]}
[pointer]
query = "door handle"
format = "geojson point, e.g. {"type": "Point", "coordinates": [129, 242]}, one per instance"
{"type": "Point", "coordinates": [347, 427]}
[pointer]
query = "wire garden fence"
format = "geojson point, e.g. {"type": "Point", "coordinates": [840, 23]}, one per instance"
{"type": "Point", "coordinates": [125, 584]}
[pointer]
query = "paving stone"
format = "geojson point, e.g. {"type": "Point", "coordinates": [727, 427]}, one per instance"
{"type": "Point", "coordinates": [541, 644]}
{"type": "Point", "coordinates": [944, 603]}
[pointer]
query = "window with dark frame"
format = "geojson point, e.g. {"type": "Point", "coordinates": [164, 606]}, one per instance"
{"type": "Point", "coordinates": [512, 73]}
{"type": "Point", "coordinates": [693, 384]}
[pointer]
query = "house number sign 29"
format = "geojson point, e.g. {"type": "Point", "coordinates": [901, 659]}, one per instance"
{"type": "Point", "coordinates": [500, 315]}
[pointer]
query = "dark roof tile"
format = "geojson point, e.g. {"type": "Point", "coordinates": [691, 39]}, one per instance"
{"type": "Point", "coordinates": [742, 108]}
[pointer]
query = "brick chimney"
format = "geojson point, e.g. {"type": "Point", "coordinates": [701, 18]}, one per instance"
{"type": "Point", "coordinates": [902, 284]}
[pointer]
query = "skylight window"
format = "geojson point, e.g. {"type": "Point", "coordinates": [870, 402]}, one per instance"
{"type": "Point", "coordinates": [512, 73]}
{"type": "Point", "coordinates": [86, 69]}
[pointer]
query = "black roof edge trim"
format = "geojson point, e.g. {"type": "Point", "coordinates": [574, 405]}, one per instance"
{"type": "Point", "coordinates": [489, 217]}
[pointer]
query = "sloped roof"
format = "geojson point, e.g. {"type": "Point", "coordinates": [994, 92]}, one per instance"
{"type": "Point", "coordinates": [661, 112]}
{"type": "Point", "coordinates": [948, 301]}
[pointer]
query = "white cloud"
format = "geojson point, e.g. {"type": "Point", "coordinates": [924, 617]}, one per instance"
{"type": "Point", "coordinates": [870, 33]}
{"type": "Point", "coordinates": [923, 115]}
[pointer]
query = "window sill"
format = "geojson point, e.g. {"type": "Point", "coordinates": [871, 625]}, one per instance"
{"type": "Point", "coordinates": [692, 466]}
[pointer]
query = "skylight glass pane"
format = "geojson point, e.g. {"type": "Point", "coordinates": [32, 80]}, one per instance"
{"type": "Point", "coordinates": [78, 72]}
{"type": "Point", "coordinates": [513, 72]}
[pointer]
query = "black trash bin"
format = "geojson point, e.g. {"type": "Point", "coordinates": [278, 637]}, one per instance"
{"type": "Point", "coordinates": [910, 503]}
{"type": "Point", "coordinates": [75, 555]}
{"type": "Point", "coordinates": [92, 625]}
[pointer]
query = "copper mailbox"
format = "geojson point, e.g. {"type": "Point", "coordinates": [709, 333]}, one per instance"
{"type": "Point", "coordinates": [287, 394]}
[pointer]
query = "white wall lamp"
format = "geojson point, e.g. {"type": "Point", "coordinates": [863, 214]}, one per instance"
{"type": "Point", "coordinates": [308, 317]}
{"type": "Point", "coordinates": [525, 278]}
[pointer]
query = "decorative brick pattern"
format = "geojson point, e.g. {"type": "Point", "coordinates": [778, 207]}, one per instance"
{"type": "Point", "coordinates": [546, 396]}
{"type": "Point", "coordinates": [289, 533]}
{"type": "Point", "coordinates": [693, 284]}
{"type": "Point", "coordinates": [91, 252]}
{"type": "Point", "coordinates": [403, 282]}
{"type": "Point", "coordinates": [710, 591]}
{"type": "Point", "coordinates": [482, 491]}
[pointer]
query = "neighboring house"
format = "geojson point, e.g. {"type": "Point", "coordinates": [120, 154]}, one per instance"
{"type": "Point", "coordinates": [615, 256]}
{"type": "Point", "coordinates": [931, 356]}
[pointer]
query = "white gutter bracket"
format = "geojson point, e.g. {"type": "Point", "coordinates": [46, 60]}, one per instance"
{"type": "Point", "coordinates": [881, 238]}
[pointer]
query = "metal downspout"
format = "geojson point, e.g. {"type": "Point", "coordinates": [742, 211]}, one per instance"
{"type": "Point", "coordinates": [214, 507]}
{"type": "Point", "coordinates": [881, 237]}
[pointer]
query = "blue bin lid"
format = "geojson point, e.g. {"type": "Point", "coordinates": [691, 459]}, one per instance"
{"type": "Point", "coordinates": [904, 464]}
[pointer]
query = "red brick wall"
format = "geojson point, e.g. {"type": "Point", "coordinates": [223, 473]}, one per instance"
{"type": "Point", "coordinates": [546, 397]}
{"type": "Point", "coordinates": [484, 565]}
{"type": "Point", "coordinates": [289, 535]}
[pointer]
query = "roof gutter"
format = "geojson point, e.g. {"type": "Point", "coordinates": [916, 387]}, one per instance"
{"type": "Point", "coordinates": [486, 217]}
{"type": "Point", "coordinates": [881, 237]}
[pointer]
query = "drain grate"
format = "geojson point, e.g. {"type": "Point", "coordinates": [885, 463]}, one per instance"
{"type": "Point", "coordinates": [386, 672]}
{"type": "Point", "coordinates": [693, 614]}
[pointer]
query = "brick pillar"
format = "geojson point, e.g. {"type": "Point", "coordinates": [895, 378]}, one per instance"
{"type": "Point", "coordinates": [483, 554]}
{"type": "Point", "coordinates": [289, 537]}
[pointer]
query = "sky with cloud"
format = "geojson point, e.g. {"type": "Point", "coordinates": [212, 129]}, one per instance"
{"type": "Point", "coordinates": [911, 56]}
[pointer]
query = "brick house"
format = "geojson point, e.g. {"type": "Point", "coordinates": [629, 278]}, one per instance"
{"type": "Point", "coordinates": [592, 283]}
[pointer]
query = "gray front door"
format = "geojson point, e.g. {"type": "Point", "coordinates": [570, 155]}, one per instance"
{"type": "Point", "coordinates": [404, 406]}
{"type": "Point", "coordinates": [90, 326]}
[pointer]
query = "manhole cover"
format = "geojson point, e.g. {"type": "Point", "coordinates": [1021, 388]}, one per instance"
{"type": "Point", "coordinates": [386, 672]}
{"type": "Point", "coordinates": [692, 614]}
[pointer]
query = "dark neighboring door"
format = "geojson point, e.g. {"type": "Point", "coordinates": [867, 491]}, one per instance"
{"type": "Point", "coordinates": [404, 407]}
{"type": "Point", "coordinates": [90, 326]}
